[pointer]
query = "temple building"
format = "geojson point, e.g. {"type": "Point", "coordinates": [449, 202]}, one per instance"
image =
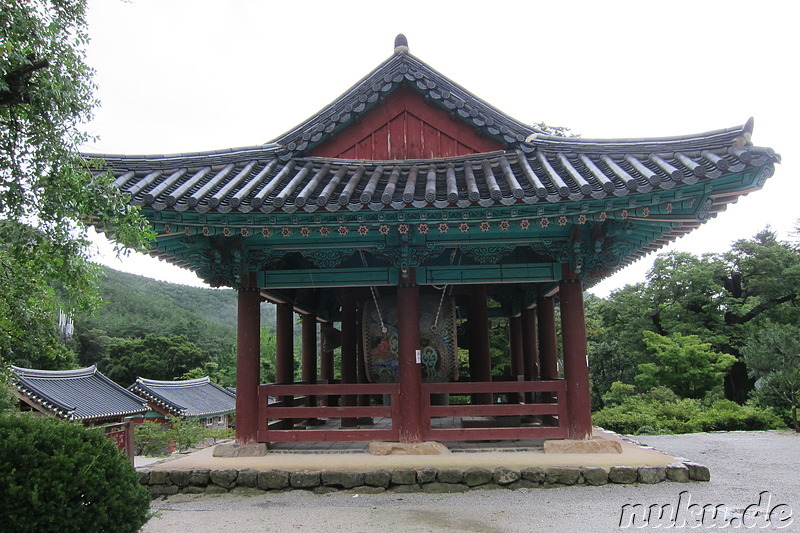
{"type": "Point", "coordinates": [198, 400]}
{"type": "Point", "coordinates": [397, 222]}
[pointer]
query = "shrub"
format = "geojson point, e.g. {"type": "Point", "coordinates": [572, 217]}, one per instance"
{"type": "Point", "coordinates": [60, 476]}
{"type": "Point", "coordinates": [660, 411]}
{"type": "Point", "coordinates": [151, 438]}
{"type": "Point", "coordinates": [186, 433]}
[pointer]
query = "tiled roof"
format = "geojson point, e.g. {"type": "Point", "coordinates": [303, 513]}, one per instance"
{"type": "Point", "coordinates": [544, 169]}
{"type": "Point", "coordinates": [189, 398]}
{"type": "Point", "coordinates": [82, 394]}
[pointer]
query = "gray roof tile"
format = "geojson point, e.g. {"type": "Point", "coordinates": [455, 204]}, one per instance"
{"type": "Point", "coordinates": [190, 398]}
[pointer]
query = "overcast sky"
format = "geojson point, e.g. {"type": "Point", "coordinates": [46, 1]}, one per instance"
{"type": "Point", "coordinates": [193, 75]}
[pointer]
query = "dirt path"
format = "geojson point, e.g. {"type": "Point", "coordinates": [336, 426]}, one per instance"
{"type": "Point", "coordinates": [743, 465]}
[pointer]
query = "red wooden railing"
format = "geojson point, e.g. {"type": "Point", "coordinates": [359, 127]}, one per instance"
{"type": "Point", "coordinates": [271, 416]}
{"type": "Point", "coordinates": [279, 411]}
{"type": "Point", "coordinates": [121, 433]}
{"type": "Point", "coordinates": [556, 406]}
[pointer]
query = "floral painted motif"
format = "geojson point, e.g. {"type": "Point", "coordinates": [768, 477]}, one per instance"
{"type": "Point", "coordinates": [305, 231]}
{"type": "Point", "coordinates": [669, 208]}
{"type": "Point", "coordinates": [646, 212]}
{"type": "Point", "coordinates": [562, 220]}
{"type": "Point", "coordinates": [206, 231]}
{"type": "Point", "coordinates": [524, 223]}
{"type": "Point", "coordinates": [343, 230]}
{"type": "Point", "coordinates": [266, 233]}
{"type": "Point", "coordinates": [581, 219]}
{"type": "Point", "coordinates": [603, 216]}
{"type": "Point", "coordinates": [544, 222]}
{"type": "Point", "coordinates": [324, 231]}
{"type": "Point", "coordinates": [363, 230]}
{"type": "Point", "coordinates": [504, 225]}
{"type": "Point", "coordinates": [485, 225]}
{"type": "Point", "coordinates": [423, 228]}
{"type": "Point", "coordinates": [443, 227]}
{"type": "Point", "coordinates": [624, 214]}
{"type": "Point", "coordinates": [226, 232]}
{"type": "Point", "coordinates": [402, 229]}
{"type": "Point", "coordinates": [464, 227]}
{"type": "Point", "coordinates": [286, 232]}
{"type": "Point", "coordinates": [383, 229]}
{"type": "Point", "coordinates": [245, 232]}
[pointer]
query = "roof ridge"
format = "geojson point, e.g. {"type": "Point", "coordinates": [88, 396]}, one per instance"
{"type": "Point", "coordinates": [176, 383]}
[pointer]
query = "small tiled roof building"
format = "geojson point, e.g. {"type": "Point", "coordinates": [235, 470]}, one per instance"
{"type": "Point", "coordinates": [193, 399]}
{"type": "Point", "coordinates": [83, 395]}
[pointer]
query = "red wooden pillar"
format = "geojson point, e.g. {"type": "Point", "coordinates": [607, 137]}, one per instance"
{"type": "Point", "coordinates": [548, 348]}
{"type": "Point", "coordinates": [325, 356]}
{"type": "Point", "coordinates": [530, 348]}
{"type": "Point", "coordinates": [410, 373]}
{"type": "Point", "coordinates": [349, 361]}
{"type": "Point", "coordinates": [480, 358]}
{"type": "Point", "coordinates": [308, 352]}
{"type": "Point", "coordinates": [517, 364]}
{"type": "Point", "coordinates": [248, 362]}
{"type": "Point", "coordinates": [548, 341]}
{"type": "Point", "coordinates": [576, 370]}
{"type": "Point", "coordinates": [284, 351]}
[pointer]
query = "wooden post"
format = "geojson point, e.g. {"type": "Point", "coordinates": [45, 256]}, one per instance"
{"type": "Point", "coordinates": [530, 348]}
{"type": "Point", "coordinates": [480, 356]}
{"type": "Point", "coordinates": [248, 366]}
{"type": "Point", "coordinates": [548, 341]}
{"type": "Point", "coordinates": [349, 363]}
{"type": "Point", "coordinates": [410, 372]}
{"type": "Point", "coordinates": [325, 357]}
{"type": "Point", "coordinates": [309, 352]}
{"type": "Point", "coordinates": [284, 352]}
{"type": "Point", "coordinates": [576, 370]}
{"type": "Point", "coordinates": [517, 364]}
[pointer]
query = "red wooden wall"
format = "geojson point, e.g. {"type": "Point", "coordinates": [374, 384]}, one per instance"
{"type": "Point", "coordinates": [405, 126]}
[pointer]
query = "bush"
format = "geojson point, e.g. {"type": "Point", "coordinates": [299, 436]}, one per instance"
{"type": "Point", "coordinates": [661, 412]}
{"type": "Point", "coordinates": [186, 433]}
{"type": "Point", "coordinates": [151, 438]}
{"type": "Point", "coordinates": [60, 476]}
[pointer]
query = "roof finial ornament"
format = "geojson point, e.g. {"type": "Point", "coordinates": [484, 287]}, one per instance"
{"type": "Point", "coordinates": [400, 44]}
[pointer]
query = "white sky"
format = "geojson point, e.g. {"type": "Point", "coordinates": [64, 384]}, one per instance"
{"type": "Point", "coordinates": [193, 75]}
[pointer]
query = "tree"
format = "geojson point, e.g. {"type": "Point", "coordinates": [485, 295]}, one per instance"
{"type": "Point", "coordinates": [49, 195]}
{"type": "Point", "coordinates": [773, 355]}
{"type": "Point", "coordinates": [684, 364]}
{"type": "Point", "coordinates": [153, 357]}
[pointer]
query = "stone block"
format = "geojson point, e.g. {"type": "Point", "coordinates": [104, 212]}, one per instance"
{"type": "Point", "coordinates": [378, 478]}
{"type": "Point", "coordinates": [444, 488]}
{"type": "Point", "coordinates": [426, 475]}
{"type": "Point", "coordinates": [144, 476]}
{"type": "Point", "coordinates": [652, 474]}
{"type": "Point", "coordinates": [368, 489]}
{"type": "Point", "coordinates": [697, 472]}
{"type": "Point", "coordinates": [404, 476]}
{"type": "Point", "coordinates": [224, 478]}
{"type": "Point", "coordinates": [450, 475]}
{"type": "Point", "coordinates": [180, 477]}
{"type": "Point", "coordinates": [160, 477]}
{"type": "Point", "coordinates": [504, 476]}
{"type": "Point", "coordinates": [593, 475]}
{"type": "Point", "coordinates": [595, 445]}
{"type": "Point", "coordinates": [565, 475]}
{"type": "Point", "coordinates": [476, 476]}
{"type": "Point", "coordinates": [402, 448]}
{"type": "Point", "coordinates": [490, 486]}
{"type": "Point", "coordinates": [199, 477]}
{"type": "Point", "coordinates": [322, 490]}
{"type": "Point", "coordinates": [304, 480]}
{"type": "Point", "coordinates": [523, 484]}
{"type": "Point", "coordinates": [247, 478]}
{"type": "Point", "coordinates": [273, 480]}
{"type": "Point", "coordinates": [230, 449]}
{"type": "Point", "coordinates": [678, 472]}
{"type": "Point", "coordinates": [216, 489]}
{"type": "Point", "coordinates": [536, 474]}
{"type": "Point", "coordinates": [162, 490]}
{"type": "Point", "coordinates": [191, 489]}
{"type": "Point", "coordinates": [404, 489]}
{"type": "Point", "coordinates": [345, 480]}
{"type": "Point", "coordinates": [623, 474]}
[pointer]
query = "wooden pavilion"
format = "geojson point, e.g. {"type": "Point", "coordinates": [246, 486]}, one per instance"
{"type": "Point", "coordinates": [391, 218]}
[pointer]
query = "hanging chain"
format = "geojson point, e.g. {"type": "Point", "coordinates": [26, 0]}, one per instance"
{"type": "Point", "coordinates": [374, 295]}
{"type": "Point", "coordinates": [435, 326]}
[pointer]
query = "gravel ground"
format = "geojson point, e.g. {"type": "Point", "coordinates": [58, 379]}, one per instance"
{"type": "Point", "coordinates": [743, 465]}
